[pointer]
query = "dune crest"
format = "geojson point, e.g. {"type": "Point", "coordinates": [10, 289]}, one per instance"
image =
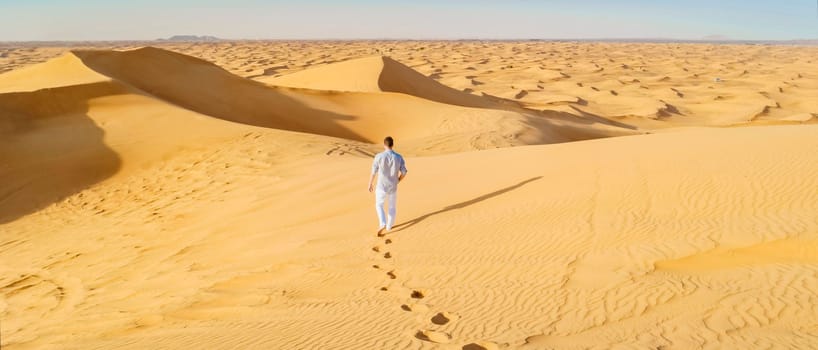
{"type": "Point", "coordinates": [66, 70]}
{"type": "Point", "coordinates": [377, 74]}
{"type": "Point", "coordinates": [413, 112]}
{"type": "Point", "coordinates": [128, 95]}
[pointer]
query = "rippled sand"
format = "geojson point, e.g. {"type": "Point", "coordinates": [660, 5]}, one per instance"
{"type": "Point", "coordinates": [559, 195]}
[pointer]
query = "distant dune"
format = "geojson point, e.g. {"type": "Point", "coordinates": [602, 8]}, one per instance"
{"type": "Point", "coordinates": [559, 196]}
{"type": "Point", "coordinates": [377, 74]}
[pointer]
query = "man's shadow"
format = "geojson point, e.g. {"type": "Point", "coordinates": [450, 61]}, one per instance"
{"type": "Point", "coordinates": [467, 203]}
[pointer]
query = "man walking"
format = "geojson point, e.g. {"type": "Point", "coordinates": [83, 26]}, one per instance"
{"type": "Point", "coordinates": [390, 169]}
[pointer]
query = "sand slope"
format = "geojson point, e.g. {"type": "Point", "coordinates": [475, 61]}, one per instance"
{"type": "Point", "coordinates": [207, 89]}
{"type": "Point", "coordinates": [111, 109]}
{"type": "Point", "coordinates": [647, 85]}
{"type": "Point", "coordinates": [155, 200]}
{"type": "Point", "coordinates": [376, 74]}
{"type": "Point", "coordinates": [511, 257]}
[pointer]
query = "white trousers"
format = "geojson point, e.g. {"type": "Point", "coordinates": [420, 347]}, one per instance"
{"type": "Point", "coordinates": [391, 199]}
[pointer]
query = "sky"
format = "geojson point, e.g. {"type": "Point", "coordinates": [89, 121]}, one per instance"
{"type": "Point", "coordinates": [29, 20]}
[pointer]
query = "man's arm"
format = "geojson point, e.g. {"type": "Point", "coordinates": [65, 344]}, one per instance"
{"type": "Point", "coordinates": [371, 181]}
{"type": "Point", "coordinates": [403, 170]}
{"type": "Point", "coordinates": [374, 171]}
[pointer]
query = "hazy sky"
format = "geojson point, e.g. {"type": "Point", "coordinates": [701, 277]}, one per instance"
{"type": "Point", "coordinates": [416, 19]}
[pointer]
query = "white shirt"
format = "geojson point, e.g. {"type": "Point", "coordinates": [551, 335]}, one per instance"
{"type": "Point", "coordinates": [387, 165]}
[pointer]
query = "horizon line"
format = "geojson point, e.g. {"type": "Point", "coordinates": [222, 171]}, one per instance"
{"type": "Point", "coordinates": [212, 39]}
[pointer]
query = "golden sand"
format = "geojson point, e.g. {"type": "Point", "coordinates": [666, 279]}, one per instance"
{"type": "Point", "coordinates": [560, 196]}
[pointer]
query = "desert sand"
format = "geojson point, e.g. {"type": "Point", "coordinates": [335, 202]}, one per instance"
{"type": "Point", "coordinates": [560, 196]}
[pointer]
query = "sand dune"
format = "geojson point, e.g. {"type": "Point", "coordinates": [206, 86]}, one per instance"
{"type": "Point", "coordinates": [207, 89]}
{"type": "Point", "coordinates": [584, 71]}
{"type": "Point", "coordinates": [46, 157]}
{"type": "Point", "coordinates": [66, 70]}
{"type": "Point", "coordinates": [152, 199]}
{"type": "Point", "coordinates": [83, 91]}
{"type": "Point", "coordinates": [376, 74]}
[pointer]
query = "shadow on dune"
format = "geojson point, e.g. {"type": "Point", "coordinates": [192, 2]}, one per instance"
{"type": "Point", "coordinates": [600, 119]}
{"type": "Point", "coordinates": [546, 127]}
{"type": "Point", "coordinates": [397, 77]}
{"type": "Point", "coordinates": [206, 88]}
{"type": "Point", "coordinates": [50, 148]}
{"type": "Point", "coordinates": [461, 205]}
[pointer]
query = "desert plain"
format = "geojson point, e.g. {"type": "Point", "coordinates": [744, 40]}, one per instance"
{"type": "Point", "coordinates": [560, 195]}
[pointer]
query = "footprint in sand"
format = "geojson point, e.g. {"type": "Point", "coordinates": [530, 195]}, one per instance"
{"type": "Point", "coordinates": [442, 318]}
{"type": "Point", "coordinates": [433, 336]}
{"type": "Point", "coordinates": [422, 308]}
{"type": "Point", "coordinates": [480, 346]}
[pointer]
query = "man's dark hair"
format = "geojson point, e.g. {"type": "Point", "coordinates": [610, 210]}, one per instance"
{"type": "Point", "coordinates": [389, 142]}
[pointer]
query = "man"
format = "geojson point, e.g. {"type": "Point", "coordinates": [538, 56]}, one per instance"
{"type": "Point", "coordinates": [390, 169]}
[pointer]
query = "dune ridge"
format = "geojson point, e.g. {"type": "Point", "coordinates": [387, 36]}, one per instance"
{"type": "Point", "coordinates": [207, 89]}
{"type": "Point", "coordinates": [156, 200]}
{"type": "Point", "coordinates": [122, 97]}
{"type": "Point", "coordinates": [377, 74]}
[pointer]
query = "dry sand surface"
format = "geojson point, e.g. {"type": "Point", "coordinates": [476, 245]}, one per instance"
{"type": "Point", "coordinates": [560, 196]}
